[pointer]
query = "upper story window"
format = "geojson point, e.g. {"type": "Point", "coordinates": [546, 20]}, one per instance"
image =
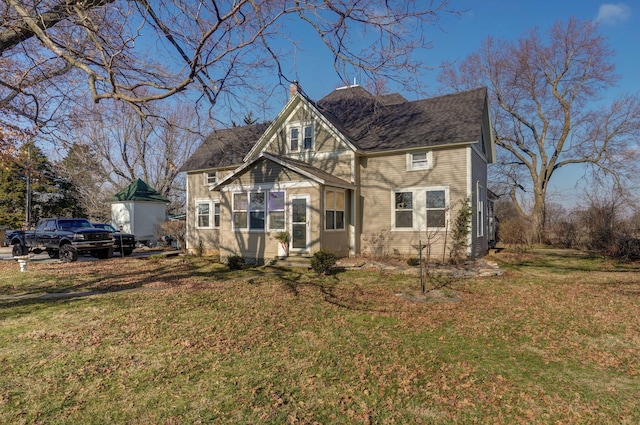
{"type": "Point", "coordinates": [210, 178]}
{"type": "Point", "coordinates": [300, 137]}
{"type": "Point", "coordinates": [419, 161]}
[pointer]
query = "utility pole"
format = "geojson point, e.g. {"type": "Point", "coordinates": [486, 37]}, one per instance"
{"type": "Point", "coordinates": [28, 177]}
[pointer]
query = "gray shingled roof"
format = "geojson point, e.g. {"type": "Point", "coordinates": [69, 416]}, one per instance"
{"type": "Point", "coordinates": [377, 125]}
{"type": "Point", "coordinates": [226, 147]}
{"type": "Point", "coordinates": [371, 123]}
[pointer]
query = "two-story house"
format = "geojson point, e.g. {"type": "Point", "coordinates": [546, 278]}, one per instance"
{"type": "Point", "coordinates": [352, 173]}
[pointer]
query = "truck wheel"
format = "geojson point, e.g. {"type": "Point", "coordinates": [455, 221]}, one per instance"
{"type": "Point", "coordinates": [18, 250]}
{"type": "Point", "coordinates": [127, 252]}
{"type": "Point", "coordinates": [53, 253]}
{"type": "Point", "coordinates": [68, 253]}
{"type": "Point", "coordinates": [103, 254]}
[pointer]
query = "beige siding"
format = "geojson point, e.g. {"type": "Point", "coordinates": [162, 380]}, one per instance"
{"type": "Point", "coordinates": [328, 154]}
{"type": "Point", "coordinates": [266, 172]}
{"type": "Point", "coordinates": [262, 244]}
{"type": "Point", "coordinates": [381, 176]}
{"type": "Point", "coordinates": [201, 240]}
{"type": "Point", "coordinates": [336, 241]}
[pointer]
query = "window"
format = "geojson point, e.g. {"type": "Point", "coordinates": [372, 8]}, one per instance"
{"type": "Point", "coordinates": [240, 210]}
{"type": "Point", "coordinates": [436, 208]}
{"type": "Point", "coordinates": [294, 135]}
{"type": "Point", "coordinates": [419, 161]}
{"type": "Point", "coordinates": [276, 210]}
{"type": "Point", "coordinates": [256, 210]}
{"type": "Point", "coordinates": [216, 214]}
{"type": "Point", "coordinates": [308, 137]}
{"type": "Point", "coordinates": [210, 178]}
{"type": "Point", "coordinates": [420, 208]}
{"type": "Point", "coordinates": [295, 132]}
{"type": "Point", "coordinates": [480, 208]}
{"type": "Point", "coordinates": [203, 214]}
{"type": "Point", "coordinates": [250, 210]}
{"type": "Point", "coordinates": [334, 210]}
{"type": "Point", "coordinates": [404, 210]}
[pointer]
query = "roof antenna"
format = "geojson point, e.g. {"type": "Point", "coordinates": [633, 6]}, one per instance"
{"type": "Point", "coordinates": [354, 81]}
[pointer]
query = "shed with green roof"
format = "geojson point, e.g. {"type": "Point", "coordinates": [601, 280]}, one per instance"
{"type": "Point", "coordinates": [139, 209]}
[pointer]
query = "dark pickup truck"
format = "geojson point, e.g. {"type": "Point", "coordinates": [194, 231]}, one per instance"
{"type": "Point", "coordinates": [124, 243]}
{"type": "Point", "coordinates": [62, 238]}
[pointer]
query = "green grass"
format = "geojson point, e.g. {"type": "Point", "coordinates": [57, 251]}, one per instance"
{"type": "Point", "coordinates": [556, 339]}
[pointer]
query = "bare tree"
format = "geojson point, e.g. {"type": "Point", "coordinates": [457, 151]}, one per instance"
{"type": "Point", "coordinates": [221, 49]}
{"type": "Point", "coordinates": [545, 93]}
{"type": "Point", "coordinates": [120, 147]}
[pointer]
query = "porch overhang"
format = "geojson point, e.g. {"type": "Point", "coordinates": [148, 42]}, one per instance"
{"type": "Point", "coordinates": [304, 169]}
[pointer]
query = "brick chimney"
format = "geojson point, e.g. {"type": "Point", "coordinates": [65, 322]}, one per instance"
{"type": "Point", "coordinates": [293, 89]}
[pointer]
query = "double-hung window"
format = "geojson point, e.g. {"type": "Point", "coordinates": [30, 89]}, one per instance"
{"type": "Point", "coordinates": [276, 210]}
{"type": "Point", "coordinates": [294, 139]}
{"type": "Point", "coordinates": [240, 213]}
{"type": "Point", "coordinates": [436, 208]}
{"type": "Point", "coordinates": [299, 131]}
{"type": "Point", "coordinates": [256, 210]}
{"type": "Point", "coordinates": [307, 141]}
{"type": "Point", "coordinates": [404, 210]}
{"type": "Point", "coordinates": [203, 214]}
{"type": "Point", "coordinates": [480, 195]}
{"type": "Point", "coordinates": [210, 178]}
{"type": "Point", "coordinates": [251, 209]}
{"type": "Point", "coordinates": [334, 210]}
{"type": "Point", "coordinates": [420, 208]}
{"type": "Point", "coordinates": [216, 214]}
{"type": "Point", "coordinates": [419, 161]}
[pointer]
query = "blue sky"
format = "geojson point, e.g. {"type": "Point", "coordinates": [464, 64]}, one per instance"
{"type": "Point", "coordinates": [507, 19]}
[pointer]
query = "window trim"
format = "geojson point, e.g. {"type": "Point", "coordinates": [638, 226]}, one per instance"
{"type": "Point", "coordinates": [335, 209]}
{"type": "Point", "coordinates": [480, 212]}
{"type": "Point", "coordinates": [267, 213]}
{"type": "Point", "coordinates": [207, 177]}
{"type": "Point", "coordinates": [270, 211]}
{"type": "Point", "coordinates": [301, 126]}
{"type": "Point", "coordinates": [394, 210]}
{"type": "Point", "coordinates": [210, 215]}
{"type": "Point", "coordinates": [446, 208]}
{"type": "Point", "coordinates": [218, 214]}
{"type": "Point", "coordinates": [429, 161]}
{"type": "Point", "coordinates": [419, 209]}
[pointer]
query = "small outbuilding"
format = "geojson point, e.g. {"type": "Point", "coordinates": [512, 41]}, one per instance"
{"type": "Point", "coordinates": [139, 209]}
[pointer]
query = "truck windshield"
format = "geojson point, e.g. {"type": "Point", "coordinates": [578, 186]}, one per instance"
{"type": "Point", "coordinates": [73, 224]}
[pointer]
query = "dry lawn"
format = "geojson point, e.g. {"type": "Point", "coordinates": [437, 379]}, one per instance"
{"type": "Point", "coordinates": [556, 339]}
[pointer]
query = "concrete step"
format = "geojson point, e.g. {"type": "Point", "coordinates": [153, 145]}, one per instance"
{"type": "Point", "coordinates": [293, 262]}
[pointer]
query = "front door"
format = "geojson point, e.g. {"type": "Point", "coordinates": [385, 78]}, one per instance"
{"type": "Point", "coordinates": [300, 224]}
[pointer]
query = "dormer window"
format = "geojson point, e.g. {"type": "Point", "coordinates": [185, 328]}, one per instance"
{"type": "Point", "coordinates": [300, 131]}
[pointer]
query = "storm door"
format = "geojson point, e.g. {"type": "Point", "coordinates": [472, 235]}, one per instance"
{"type": "Point", "coordinates": [300, 224]}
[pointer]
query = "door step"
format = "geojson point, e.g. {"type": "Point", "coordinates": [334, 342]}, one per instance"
{"type": "Point", "coordinates": [293, 262]}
